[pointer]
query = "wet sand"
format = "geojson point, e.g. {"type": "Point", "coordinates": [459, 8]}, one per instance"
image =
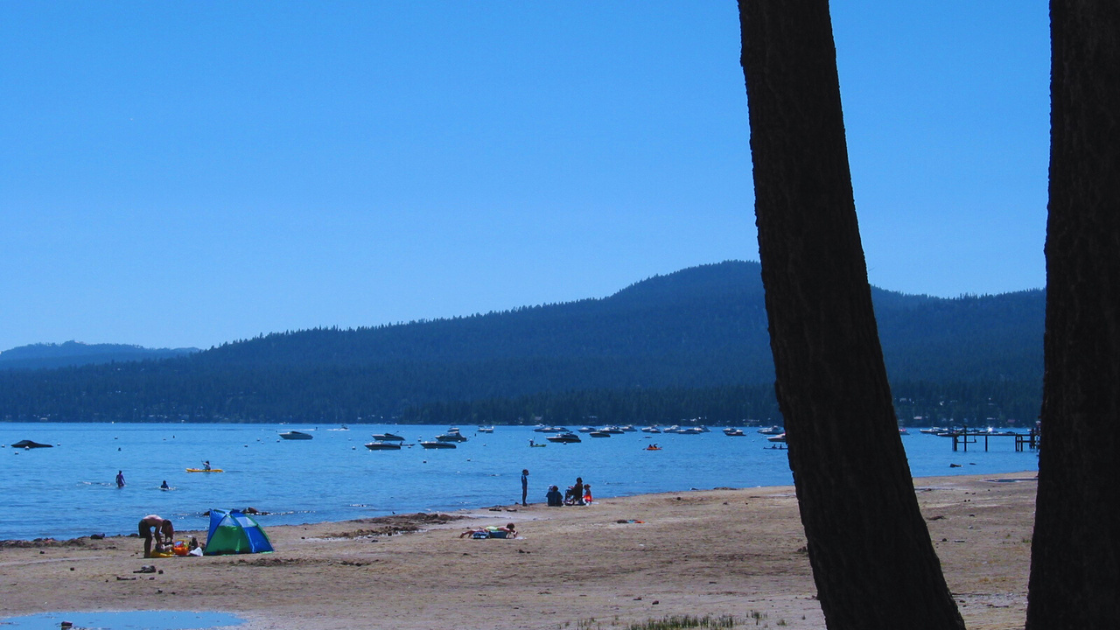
{"type": "Point", "coordinates": [718, 552]}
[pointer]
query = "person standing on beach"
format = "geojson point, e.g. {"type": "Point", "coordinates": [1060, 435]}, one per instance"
{"type": "Point", "coordinates": [524, 486]}
{"type": "Point", "coordinates": [120, 478]}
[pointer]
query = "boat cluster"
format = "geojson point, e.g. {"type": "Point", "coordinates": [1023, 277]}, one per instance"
{"type": "Point", "coordinates": [448, 439]}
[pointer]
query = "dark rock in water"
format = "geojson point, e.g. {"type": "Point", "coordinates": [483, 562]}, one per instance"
{"type": "Point", "coordinates": [30, 444]}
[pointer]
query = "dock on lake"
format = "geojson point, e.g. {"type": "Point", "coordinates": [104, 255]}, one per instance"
{"type": "Point", "coordinates": [964, 436]}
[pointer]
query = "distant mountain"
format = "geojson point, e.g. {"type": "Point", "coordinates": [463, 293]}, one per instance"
{"type": "Point", "coordinates": [703, 328]}
{"type": "Point", "coordinates": [73, 353]}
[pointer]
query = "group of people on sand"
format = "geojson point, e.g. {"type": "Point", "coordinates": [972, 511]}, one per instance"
{"type": "Point", "coordinates": [576, 494]}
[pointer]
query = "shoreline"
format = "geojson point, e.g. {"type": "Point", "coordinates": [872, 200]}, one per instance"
{"type": "Point", "coordinates": [700, 552]}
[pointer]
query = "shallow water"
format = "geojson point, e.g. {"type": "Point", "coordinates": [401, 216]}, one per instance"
{"type": "Point", "coordinates": [130, 620]}
{"type": "Point", "coordinates": [68, 491]}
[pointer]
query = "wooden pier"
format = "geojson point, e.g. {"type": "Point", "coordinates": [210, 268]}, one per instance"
{"type": "Point", "coordinates": [963, 437]}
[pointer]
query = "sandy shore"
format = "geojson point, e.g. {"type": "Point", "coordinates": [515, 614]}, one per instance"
{"type": "Point", "coordinates": [718, 552]}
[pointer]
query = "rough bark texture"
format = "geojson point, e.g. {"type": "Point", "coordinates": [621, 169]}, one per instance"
{"type": "Point", "coordinates": [872, 559]}
{"type": "Point", "coordinates": [1075, 563]}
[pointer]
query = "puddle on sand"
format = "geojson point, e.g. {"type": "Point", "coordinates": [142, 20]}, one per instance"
{"type": "Point", "coordinates": [130, 620]}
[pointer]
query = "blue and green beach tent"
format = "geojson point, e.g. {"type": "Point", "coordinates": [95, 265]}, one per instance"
{"type": "Point", "coordinates": [232, 531]}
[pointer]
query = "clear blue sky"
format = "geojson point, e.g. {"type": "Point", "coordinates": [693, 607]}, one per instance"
{"type": "Point", "coordinates": [185, 173]}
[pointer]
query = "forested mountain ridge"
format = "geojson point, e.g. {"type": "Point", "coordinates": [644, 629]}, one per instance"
{"type": "Point", "coordinates": [73, 353]}
{"type": "Point", "coordinates": [700, 328]}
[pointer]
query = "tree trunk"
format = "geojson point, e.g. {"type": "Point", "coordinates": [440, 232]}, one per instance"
{"type": "Point", "coordinates": [1075, 553]}
{"type": "Point", "coordinates": [870, 551]}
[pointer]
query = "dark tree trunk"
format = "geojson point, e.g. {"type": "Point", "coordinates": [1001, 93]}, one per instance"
{"type": "Point", "coordinates": [872, 558]}
{"type": "Point", "coordinates": [1075, 553]}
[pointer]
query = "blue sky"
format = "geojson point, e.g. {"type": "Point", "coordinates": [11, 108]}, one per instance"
{"type": "Point", "coordinates": [188, 173]}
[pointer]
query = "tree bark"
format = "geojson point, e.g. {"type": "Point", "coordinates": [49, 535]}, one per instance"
{"type": "Point", "coordinates": [1075, 552]}
{"type": "Point", "coordinates": [872, 559]}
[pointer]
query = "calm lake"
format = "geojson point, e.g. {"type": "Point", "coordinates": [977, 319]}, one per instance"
{"type": "Point", "coordinates": [69, 491]}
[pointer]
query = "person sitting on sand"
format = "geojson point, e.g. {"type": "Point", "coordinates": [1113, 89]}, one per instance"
{"type": "Point", "coordinates": [574, 494]}
{"type": "Point", "coordinates": [554, 498]}
{"type": "Point", "coordinates": [154, 526]}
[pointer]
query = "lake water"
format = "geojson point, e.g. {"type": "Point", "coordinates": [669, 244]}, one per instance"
{"type": "Point", "coordinates": [69, 490]}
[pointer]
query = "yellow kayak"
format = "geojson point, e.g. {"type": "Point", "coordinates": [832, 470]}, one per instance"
{"type": "Point", "coordinates": [204, 470]}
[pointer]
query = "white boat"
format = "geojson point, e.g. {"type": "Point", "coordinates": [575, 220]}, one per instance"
{"type": "Point", "coordinates": [651, 429]}
{"type": "Point", "coordinates": [295, 435]}
{"type": "Point", "coordinates": [485, 429]}
{"type": "Point", "coordinates": [452, 435]}
{"type": "Point", "coordinates": [778, 439]}
{"type": "Point", "coordinates": [387, 437]}
{"type": "Point", "coordinates": [774, 430]}
{"type": "Point", "coordinates": [564, 438]}
{"type": "Point", "coordinates": [731, 432]}
{"type": "Point", "coordinates": [384, 446]}
{"type": "Point", "coordinates": [550, 429]}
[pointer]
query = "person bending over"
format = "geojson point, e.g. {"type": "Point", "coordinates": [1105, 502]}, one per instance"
{"type": "Point", "coordinates": [154, 526]}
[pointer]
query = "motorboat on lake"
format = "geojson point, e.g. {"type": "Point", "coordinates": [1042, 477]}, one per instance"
{"type": "Point", "coordinates": [600, 434]}
{"type": "Point", "coordinates": [732, 432]}
{"type": "Point", "coordinates": [296, 435]}
{"type": "Point", "coordinates": [777, 439]}
{"type": "Point", "coordinates": [387, 437]}
{"type": "Point", "coordinates": [384, 446]}
{"type": "Point", "coordinates": [651, 429]}
{"type": "Point", "coordinates": [437, 444]}
{"type": "Point", "coordinates": [550, 429]}
{"type": "Point", "coordinates": [564, 438]}
{"type": "Point", "coordinates": [485, 429]}
{"type": "Point", "coordinates": [774, 430]}
{"type": "Point", "coordinates": [452, 435]}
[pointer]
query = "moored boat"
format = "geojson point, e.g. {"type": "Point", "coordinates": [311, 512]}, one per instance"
{"type": "Point", "coordinates": [436, 444]}
{"type": "Point", "coordinates": [564, 438]}
{"type": "Point", "coordinates": [778, 439]}
{"type": "Point", "coordinates": [387, 437]}
{"type": "Point", "coordinates": [384, 446]}
{"type": "Point", "coordinates": [296, 435]}
{"type": "Point", "coordinates": [732, 432]}
{"type": "Point", "coordinates": [452, 435]}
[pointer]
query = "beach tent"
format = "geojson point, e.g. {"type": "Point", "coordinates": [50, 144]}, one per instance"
{"type": "Point", "coordinates": [232, 531]}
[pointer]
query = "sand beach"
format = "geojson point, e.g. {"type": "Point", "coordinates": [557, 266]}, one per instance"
{"type": "Point", "coordinates": [623, 560]}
